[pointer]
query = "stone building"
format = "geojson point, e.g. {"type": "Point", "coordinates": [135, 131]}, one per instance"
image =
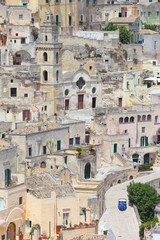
{"type": "Point", "coordinates": [129, 133]}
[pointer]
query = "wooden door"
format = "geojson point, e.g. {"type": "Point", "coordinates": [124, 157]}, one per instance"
{"type": "Point", "coordinates": [120, 102]}
{"type": "Point", "coordinates": [67, 104]}
{"type": "Point", "coordinates": [80, 101]}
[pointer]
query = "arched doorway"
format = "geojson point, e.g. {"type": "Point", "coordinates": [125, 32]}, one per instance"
{"type": "Point", "coordinates": [87, 171]}
{"type": "Point", "coordinates": [135, 157]}
{"type": "Point", "coordinates": [131, 177]}
{"type": "Point", "coordinates": [119, 181]}
{"type": "Point", "coordinates": [11, 231]}
{"type": "Point", "coordinates": [146, 158]}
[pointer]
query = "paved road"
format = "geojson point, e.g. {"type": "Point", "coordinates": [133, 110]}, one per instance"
{"type": "Point", "coordinates": [123, 224]}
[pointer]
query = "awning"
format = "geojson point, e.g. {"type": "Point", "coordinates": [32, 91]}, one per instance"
{"type": "Point", "coordinates": [150, 79]}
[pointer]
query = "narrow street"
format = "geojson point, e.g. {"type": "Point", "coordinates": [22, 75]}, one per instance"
{"type": "Point", "coordinates": [123, 224]}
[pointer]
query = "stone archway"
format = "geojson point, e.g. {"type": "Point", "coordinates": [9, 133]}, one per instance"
{"type": "Point", "coordinates": [130, 177]}
{"type": "Point", "coordinates": [11, 231]}
{"type": "Point", "coordinates": [87, 171]}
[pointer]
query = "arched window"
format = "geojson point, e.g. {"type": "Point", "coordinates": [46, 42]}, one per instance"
{"type": "Point", "coordinates": [132, 119]}
{"type": "Point", "coordinates": [120, 120]}
{"type": "Point", "coordinates": [139, 118]}
{"type": "Point", "coordinates": [57, 58]}
{"type": "Point", "coordinates": [57, 76]}
{"type": "Point", "coordinates": [45, 75]}
{"type": "Point", "coordinates": [126, 119]}
{"type": "Point", "coordinates": [7, 177]}
{"type": "Point", "coordinates": [149, 117]}
{"type": "Point", "coordinates": [45, 57]}
{"type": "Point", "coordinates": [143, 118]}
{"type": "Point", "coordinates": [87, 171]}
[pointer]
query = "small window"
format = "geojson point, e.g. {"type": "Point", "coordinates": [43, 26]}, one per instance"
{"type": "Point", "coordinates": [71, 141]}
{"type": "Point", "coordinates": [125, 131]}
{"type": "Point", "coordinates": [45, 56]}
{"type": "Point", "coordinates": [90, 68]}
{"type": "Point", "coordinates": [93, 90]}
{"type": "Point", "coordinates": [21, 16]}
{"type": "Point", "coordinates": [66, 92]}
{"type": "Point", "coordinates": [58, 145]}
{"type": "Point", "coordinates": [10, 40]}
{"type": "Point", "coordinates": [11, 80]}
{"type": "Point", "coordinates": [44, 150]}
{"type": "Point", "coordinates": [30, 151]}
{"type": "Point", "coordinates": [157, 14]}
{"type": "Point", "coordinates": [57, 76]}
{"type": "Point", "coordinates": [26, 95]}
{"type": "Point", "coordinates": [16, 34]}
{"type": "Point", "coordinates": [156, 119]}
{"type": "Point", "coordinates": [149, 14]}
{"type": "Point", "coordinates": [45, 108]}
{"type": "Point", "coordinates": [46, 38]}
{"type": "Point", "coordinates": [14, 41]}
{"type": "Point", "coordinates": [23, 40]}
{"type": "Point", "coordinates": [13, 92]}
{"type": "Point", "coordinates": [20, 200]}
{"type": "Point", "coordinates": [143, 129]}
{"type": "Point", "coordinates": [57, 58]}
{"type": "Point", "coordinates": [65, 159]}
{"type": "Point", "coordinates": [154, 63]}
{"type": "Point", "coordinates": [45, 75]}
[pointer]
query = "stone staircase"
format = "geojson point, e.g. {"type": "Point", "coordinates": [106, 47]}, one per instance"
{"type": "Point", "coordinates": [120, 160]}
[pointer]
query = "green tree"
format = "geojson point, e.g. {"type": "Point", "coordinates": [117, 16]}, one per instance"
{"type": "Point", "coordinates": [124, 35]}
{"type": "Point", "coordinates": [145, 198]}
{"type": "Point", "coordinates": [151, 27]}
{"type": "Point", "coordinates": [110, 27]}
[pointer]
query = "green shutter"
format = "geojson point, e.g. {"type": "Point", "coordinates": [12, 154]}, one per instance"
{"type": "Point", "coordinates": [115, 148]}
{"type": "Point", "coordinates": [141, 142]}
{"type": "Point", "coordinates": [146, 141]}
{"type": "Point", "coordinates": [6, 177]}
{"type": "Point", "coordinates": [58, 145]}
{"type": "Point", "coordinates": [137, 38]}
{"type": "Point", "coordinates": [65, 159]}
{"type": "Point", "coordinates": [57, 19]}
{"type": "Point", "coordinates": [70, 20]}
{"type": "Point", "coordinates": [44, 149]}
{"type": "Point", "coordinates": [9, 177]}
{"type": "Point", "coordinates": [129, 142]}
{"type": "Point", "coordinates": [131, 38]}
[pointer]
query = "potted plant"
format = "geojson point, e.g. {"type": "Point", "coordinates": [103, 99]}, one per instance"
{"type": "Point", "coordinates": [79, 150]}
{"type": "Point", "coordinates": [91, 149]}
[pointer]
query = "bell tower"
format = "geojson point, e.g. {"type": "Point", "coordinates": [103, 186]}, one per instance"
{"type": "Point", "coordinates": [49, 54]}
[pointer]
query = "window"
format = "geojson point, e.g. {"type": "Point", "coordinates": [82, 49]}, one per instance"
{"type": "Point", "coordinates": [156, 119]}
{"type": "Point", "coordinates": [57, 19]}
{"type": "Point", "coordinates": [7, 177]}
{"type": "Point", "coordinates": [66, 104]}
{"type": "Point", "coordinates": [57, 1]}
{"type": "Point", "coordinates": [11, 80]}
{"type": "Point", "coordinates": [150, 0]}
{"type": "Point", "coordinates": [157, 14]}
{"type": "Point", "coordinates": [45, 108]}
{"type": "Point", "coordinates": [149, 14]}
{"type": "Point", "coordinates": [25, 4]}
{"type": "Point", "coordinates": [154, 63]}
{"type": "Point", "coordinates": [26, 95]}
{"type": "Point", "coordinates": [45, 56]}
{"type": "Point", "coordinates": [14, 41]}
{"type": "Point", "coordinates": [144, 14]}
{"type": "Point", "coordinates": [32, 20]}
{"type": "Point", "coordinates": [30, 151]}
{"type": "Point", "coordinates": [20, 200]}
{"type": "Point", "coordinates": [46, 38]}
{"type": "Point", "coordinates": [70, 1]}
{"type": "Point", "coordinates": [143, 129]}
{"type": "Point", "coordinates": [58, 145]}
{"type": "Point", "coordinates": [115, 148]}
{"type": "Point", "coordinates": [16, 34]}
{"type": "Point", "coordinates": [127, 85]}
{"type": "Point", "coordinates": [57, 76]}
{"type": "Point", "coordinates": [71, 141]}
{"type": "Point", "coordinates": [66, 92]}
{"type": "Point", "coordinates": [44, 150]}
{"type": "Point", "coordinates": [21, 16]}
{"type": "Point", "coordinates": [77, 140]}
{"type": "Point", "coordinates": [47, 1]}
{"type": "Point", "coordinates": [45, 75]}
{"type": "Point", "coordinates": [87, 2]}
{"type": "Point", "coordinates": [13, 92]}
{"type": "Point", "coordinates": [65, 159]}
{"type": "Point", "coordinates": [93, 90]}
{"type": "Point", "coordinates": [57, 58]}
{"type": "Point", "coordinates": [125, 131]}
{"type": "Point", "coordinates": [129, 142]}
{"type": "Point", "coordinates": [144, 141]}
{"type": "Point", "coordinates": [70, 20]}
{"type": "Point", "coordinates": [90, 68]}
